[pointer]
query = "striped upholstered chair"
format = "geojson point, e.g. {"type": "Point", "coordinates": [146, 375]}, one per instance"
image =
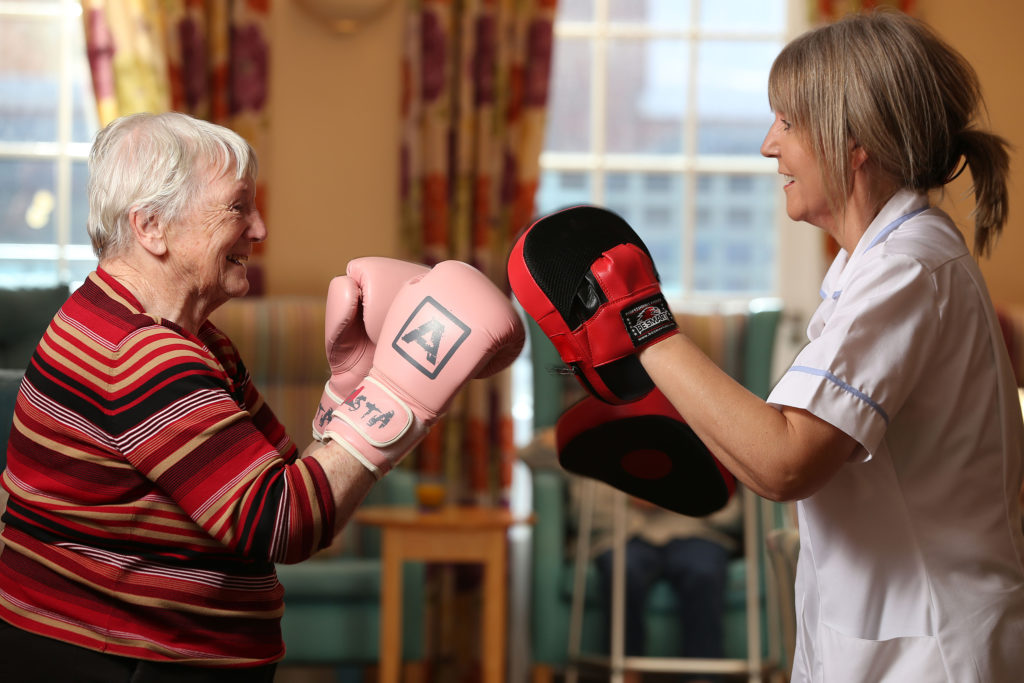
{"type": "Point", "coordinates": [332, 601]}
{"type": "Point", "coordinates": [281, 341]}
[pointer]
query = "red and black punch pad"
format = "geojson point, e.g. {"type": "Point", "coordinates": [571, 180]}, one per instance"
{"type": "Point", "coordinates": [549, 272]}
{"type": "Point", "coordinates": [645, 449]}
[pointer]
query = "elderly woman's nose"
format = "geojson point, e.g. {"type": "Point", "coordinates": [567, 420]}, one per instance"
{"type": "Point", "coordinates": [257, 228]}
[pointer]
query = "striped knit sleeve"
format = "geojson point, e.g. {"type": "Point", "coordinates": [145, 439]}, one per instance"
{"type": "Point", "coordinates": [166, 405]}
{"type": "Point", "coordinates": [246, 392]}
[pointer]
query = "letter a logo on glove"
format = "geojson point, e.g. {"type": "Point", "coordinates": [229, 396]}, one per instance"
{"type": "Point", "coordinates": [430, 337]}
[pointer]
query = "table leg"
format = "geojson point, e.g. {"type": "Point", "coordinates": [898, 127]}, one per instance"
{"type": "Point", "coordinates": [495, 611]}
{"type": "Point", "coordinates": [391, 607]}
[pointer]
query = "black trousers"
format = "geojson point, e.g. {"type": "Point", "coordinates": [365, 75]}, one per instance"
{"type": "Point", "coordinates": [28, 658]}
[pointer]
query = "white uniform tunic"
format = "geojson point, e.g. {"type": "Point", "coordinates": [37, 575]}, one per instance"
{"type": "Point", "coordinates": [911, 563]}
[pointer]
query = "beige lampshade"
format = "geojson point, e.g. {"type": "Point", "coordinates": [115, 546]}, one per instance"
{"type": "Point", "coordinates": [344, 16]}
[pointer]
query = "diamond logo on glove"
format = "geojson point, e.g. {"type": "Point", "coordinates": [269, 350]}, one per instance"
{"type": "Point", "coordinates": [430, 337]}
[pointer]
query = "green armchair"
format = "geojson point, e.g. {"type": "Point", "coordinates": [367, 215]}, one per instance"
{"type": "Point", "coordinates": [743, 344]}
{"type": "Point", "coordinates": [24, 315]}
{"type": "Point", "coordinates": [10, 382]}
{"type": "Point", "coordinates": [332, 602]}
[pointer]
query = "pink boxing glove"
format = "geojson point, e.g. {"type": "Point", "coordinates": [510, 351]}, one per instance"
{"type": "Point", "coordinates": [442, 330]}
{"type": "Point", "coordinates": [370, 284]}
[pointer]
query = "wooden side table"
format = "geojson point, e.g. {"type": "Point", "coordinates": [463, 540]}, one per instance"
{"type": "Point", "coordinates": [448, 534]}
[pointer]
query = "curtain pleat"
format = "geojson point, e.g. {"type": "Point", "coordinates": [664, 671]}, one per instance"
{"type": "Point", "coordinates": [206, 58]}
{"type": "Point", "coordinates": [475, 79]}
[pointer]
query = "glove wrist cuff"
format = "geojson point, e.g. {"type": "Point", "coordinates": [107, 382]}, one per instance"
{"type": "Point", "coordinates": [375, 425]}
{"type": "Point", "coordinates": [377, 472]}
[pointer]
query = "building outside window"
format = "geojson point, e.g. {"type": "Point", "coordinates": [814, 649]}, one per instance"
{"type": "Point", "coordinates": [47, 122]}
{"type": "Point", "coordinates": [663, 105]}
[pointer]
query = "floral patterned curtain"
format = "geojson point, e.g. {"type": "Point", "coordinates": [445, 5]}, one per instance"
{"type": "Point", "coordinates": [207, 58]}
{"type": "Point", "coordinates": [475, 90]}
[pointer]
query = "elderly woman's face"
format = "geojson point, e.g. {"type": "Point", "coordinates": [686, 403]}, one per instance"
{"type": "Point", "coordinates": [210, 245]}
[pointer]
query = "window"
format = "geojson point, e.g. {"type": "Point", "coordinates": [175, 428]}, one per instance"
{"type": "Point", "coordinates": [663, 105]}
{"type": "Point", "coordinates": [656, 216]}
{"type": "Point", "coordinates": [573, 181]}
{"type": "Point", "coordinates": [741, 184]}
{"type": "Point", "coordinates": [739, 217]}
{"type": "Point", "coordinates": [657, 182]}
{"type": "Point", "coordinates": [47, 121]}
{"type": "Point", "coordinates": [616, 182]}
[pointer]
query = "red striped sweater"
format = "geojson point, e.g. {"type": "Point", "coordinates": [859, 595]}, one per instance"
{"type": "Point", "coordinates": [151, 491]}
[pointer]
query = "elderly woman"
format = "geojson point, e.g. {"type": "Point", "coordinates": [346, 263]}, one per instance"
{"type": "Point", "coordinates": [151, 487]}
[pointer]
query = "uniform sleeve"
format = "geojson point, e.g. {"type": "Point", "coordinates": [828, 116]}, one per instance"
{"type": "Point", "coordinates": [871, 351]}
{"type": "Point", "coordinates": [194, 435]}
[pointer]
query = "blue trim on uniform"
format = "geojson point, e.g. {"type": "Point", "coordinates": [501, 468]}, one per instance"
{"type": "Point", "coordinates": [892, 226]}
{"type": "Point", "coordinates": [844, 386]}
{"type": "Point", "coordinates": [885, 232]}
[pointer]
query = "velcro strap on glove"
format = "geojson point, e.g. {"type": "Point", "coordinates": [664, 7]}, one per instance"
{"type": "Point", "coordinates": [374, 425]}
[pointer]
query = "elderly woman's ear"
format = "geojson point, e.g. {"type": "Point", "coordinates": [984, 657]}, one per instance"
{"type": "Point", "coordinates": [149, 231]}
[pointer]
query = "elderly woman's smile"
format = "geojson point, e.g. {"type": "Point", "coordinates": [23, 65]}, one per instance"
{"type": "Point", "coordinates": [208, 248]}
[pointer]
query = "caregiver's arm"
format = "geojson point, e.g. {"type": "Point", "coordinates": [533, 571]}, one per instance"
{"type": "Point", "coordinates": [782, 455]}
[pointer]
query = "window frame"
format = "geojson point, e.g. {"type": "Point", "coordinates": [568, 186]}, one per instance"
{"type": "Point", "coordinates": [64, 152]}
{"type": "Point", "coordinates": [597, 164]}
{"type": "Point", "coordinates": [799, 257]}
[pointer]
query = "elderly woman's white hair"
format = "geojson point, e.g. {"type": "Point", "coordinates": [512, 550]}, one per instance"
{"type": "Point", "coordinates": [156, 164]}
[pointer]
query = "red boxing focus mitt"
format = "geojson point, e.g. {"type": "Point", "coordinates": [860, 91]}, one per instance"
{"type": "Point", "coordinates": [645, 449]}
{"type": "Point", "coordinates": [588, 280]}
